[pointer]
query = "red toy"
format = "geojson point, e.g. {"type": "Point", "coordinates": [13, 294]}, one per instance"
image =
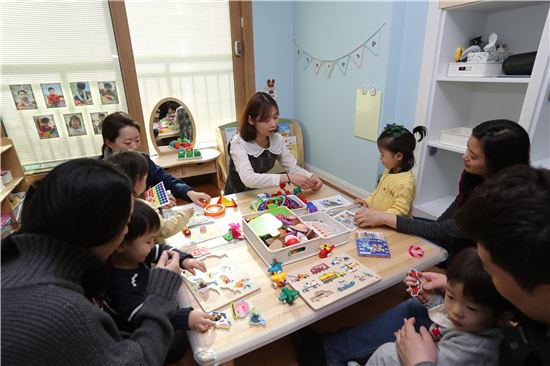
{"type": "Point", "coordinates": [186, 232]}
{"type": "Point", "coordinates": [236, 231]}
{"type": "Point", "coordinates": [325, 250]}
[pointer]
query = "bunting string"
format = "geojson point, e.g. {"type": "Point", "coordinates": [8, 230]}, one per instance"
{"type": "Point", "coordinates": [356, 56]}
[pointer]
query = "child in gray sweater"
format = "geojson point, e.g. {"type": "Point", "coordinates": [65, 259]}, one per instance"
{"type": "Point", "coordinates": [465, 321]}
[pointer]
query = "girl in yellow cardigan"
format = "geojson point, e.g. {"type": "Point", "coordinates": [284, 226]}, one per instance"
{"type": "Point", "coordinates": [397, 187]}
{"type": "Point", "coordinates": [135, 166]}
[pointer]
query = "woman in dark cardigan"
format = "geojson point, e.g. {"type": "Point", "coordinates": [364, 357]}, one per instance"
{"type": "Point", "coordinates": [121, 132]}
{"type": "Point", "coordinates": [493, 145]}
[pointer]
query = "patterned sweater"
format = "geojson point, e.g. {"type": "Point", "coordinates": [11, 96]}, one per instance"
{"type": "Point", "coordinates": [394, 194]}
{"type": "Point", "coordinates": [47, 320]}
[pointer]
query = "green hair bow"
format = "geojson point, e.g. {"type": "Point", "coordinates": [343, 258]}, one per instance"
{"type": "Point", "coordinates": [395, 130]}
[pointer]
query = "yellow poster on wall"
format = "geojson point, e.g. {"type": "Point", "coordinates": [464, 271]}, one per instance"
{"type": "Point", "coordinates": [367, 113]}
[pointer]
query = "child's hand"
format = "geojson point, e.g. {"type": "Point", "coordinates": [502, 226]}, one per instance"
{"type": "Point", "coordinates": [190, 211]}
{"type": "Point", "coordinates": [317, 183]}
{"type": "Point", "coordinates": [169, 260]}
{"type": "Point", "coordinates": [200, 321]}
{"type": "Point", "coordinates": [359, 201]}
{"type": "Point", "coordinates": [191, 264]}
{"type": "Point", "coordinates": [431, 283]}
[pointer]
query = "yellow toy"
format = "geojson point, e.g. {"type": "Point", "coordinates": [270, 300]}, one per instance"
{"type": "Point", "coordinates": [278, 279]}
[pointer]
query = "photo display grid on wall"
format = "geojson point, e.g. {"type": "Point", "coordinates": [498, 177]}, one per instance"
{"type": "Point", "coordinates": [54, 97]}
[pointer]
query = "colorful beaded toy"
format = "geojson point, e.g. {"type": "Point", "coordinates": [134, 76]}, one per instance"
{"type": "Point", "coordinates": [263, 201]}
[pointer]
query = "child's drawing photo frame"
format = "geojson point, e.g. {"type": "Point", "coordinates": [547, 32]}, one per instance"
{"type": "Point", "coordinates": [23, 96]}
{"type": "Point", "coordinates": [82, 95]}
{"type": "Point", "coordinates": [108, 92]}
{"type": "Point", "coordinates": [97, 120]}
{"type": "Point", "coordinates": [45, 126]}
{"type": "Point", "coordinates": [53, 95]}
{"type": "Point", "coordinates": [75, 124]}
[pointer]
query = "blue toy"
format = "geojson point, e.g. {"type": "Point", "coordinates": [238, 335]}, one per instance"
{"type": "Point", "coordinates": [311, 208]}
{"type": "Point", "coordinates": [276, 267]}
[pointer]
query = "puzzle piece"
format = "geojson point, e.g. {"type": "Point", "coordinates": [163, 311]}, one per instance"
{"type": "Point", "coordinates": [220, 320]}
{"type": "Point", "coordinates": [256, 318]}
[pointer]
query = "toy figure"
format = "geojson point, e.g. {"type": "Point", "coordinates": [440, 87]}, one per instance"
{"type": "Point", "coordinates": [288, 296]}
{"type": "Point", "coordinates": [325, 250]}
{"type": "Point", "coordinates": [278, 280]}
{"type": "Point", "coordinates": [276, 267]}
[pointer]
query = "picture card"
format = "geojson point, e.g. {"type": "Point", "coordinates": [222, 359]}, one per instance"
{"type": "Point", "coordinates": [53, 95]}
{"type": "Point", "coordinates": [23, 96]}
{"type": "Point", "coordinates": [108, 92]}
{"type": "Point", "coordinates": [372, 244]}
{"type": "Point", "coordinates": [45, 125]}
{"type": "Point", "coordinates": [331, 202]}
{"type": "Point", "coordinates": [82, 95]}
{"type": "Point", "coordinates": [346, 217]}
{"type": "Point", "coordinates": [75, 124]}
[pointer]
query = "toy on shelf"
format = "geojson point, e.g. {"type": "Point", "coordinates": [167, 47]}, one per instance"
{"type": "Point", "coordinates": [278, 280]}
{"type": "Point", "coordinates": [180, 144]}
{"type": "Point", "coordinates": [325, 250]}
{"type": "Point", "coordinates": [288, 296]}
{"type": "Point", "coordinates": [276, 267]}
{"type": "Point", "coordinates": [234, 232]}
{"type": "Point", "coordinates": [227, 202]}
{"type": "Point", "coordinates": [256, 318]}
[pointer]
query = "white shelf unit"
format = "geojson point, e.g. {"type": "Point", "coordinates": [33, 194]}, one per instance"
{"type": "Point", "coordinates": [449, 102]}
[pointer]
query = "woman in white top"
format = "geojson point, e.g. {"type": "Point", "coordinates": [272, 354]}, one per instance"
{"type": "Point", "coordinates": [254, 150]}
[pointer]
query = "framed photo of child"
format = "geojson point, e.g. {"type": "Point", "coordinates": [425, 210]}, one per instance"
{"type": "Point", "coordinates": [97, 120]}
{"type": "Point", "coordinates": [23, 96]}
{"type": "Point", "coordinates": [45, 125]}
{"type": "Point", "coordinates": [53, 95]}
{"type": "Point", "coordinates": [108, 92]}
{"type": "Point", "coordinates": [75, 124]}
{"type": "Point", "coordinates": [81, 93]}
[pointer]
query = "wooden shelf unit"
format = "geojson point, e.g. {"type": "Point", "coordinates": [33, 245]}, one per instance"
{"type": "Point", "coordinates": [10, 161]}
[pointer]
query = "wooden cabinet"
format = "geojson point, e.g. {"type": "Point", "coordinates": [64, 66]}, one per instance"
{"type": "Point", "coordinates": [18, 183]}
{"type": "Point", "coordinates": [450, 102]}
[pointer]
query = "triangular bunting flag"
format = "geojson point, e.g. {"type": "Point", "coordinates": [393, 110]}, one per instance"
{"type": "Point", "coordinates": [317, 66]}
{"type": "Point", "coordinates": [298, 52]}
{"type": "Point", "coordinates": [307, 60]}
{"type": "Point", "coordinates": [357, 56]}
{"type": "Point", "coordinates": [343, 64]}
{"type": "Point", "coordinates": [329, 65]}
{"type": "Point", "coordinates": [373, 43]}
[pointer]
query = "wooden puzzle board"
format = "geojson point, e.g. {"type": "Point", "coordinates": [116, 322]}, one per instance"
{"type": "Point", "coordinates": [331, 279]}
{"type": "Point", "coordinates": [220, 285]}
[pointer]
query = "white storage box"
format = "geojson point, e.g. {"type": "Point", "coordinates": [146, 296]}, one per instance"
{"type": "Point", "coordinates": [456, 136]}
{"type": "Point", "coordinates": [475, 69]}
{"type": "Point", "coordinates": [300, 210]}
{"type": "Point", "coordinates": [338, 235]}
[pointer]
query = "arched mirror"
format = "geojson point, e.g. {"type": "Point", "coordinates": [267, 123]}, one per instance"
{"type": "Point", "coordinates": [171, 121]}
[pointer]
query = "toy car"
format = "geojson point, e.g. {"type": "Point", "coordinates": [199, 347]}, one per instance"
{"type": "Point", "coordinates": [328, 277]}
{"type": "Point", "coordinates": [343, 285]}
{"type": "Point", "coordinates": [319, 268]}
{"type": "Point", "coordinates": [308, 285]}
{"type": "Point", "coordinates": [318, 295]}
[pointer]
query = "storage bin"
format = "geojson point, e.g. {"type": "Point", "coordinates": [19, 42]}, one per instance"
{"type": "Point", "coordinates": [456, 136]}
{"type": "Point", "coordinates": [475, 69]}
{"type": "Point", "coordinates": [299, 251]}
